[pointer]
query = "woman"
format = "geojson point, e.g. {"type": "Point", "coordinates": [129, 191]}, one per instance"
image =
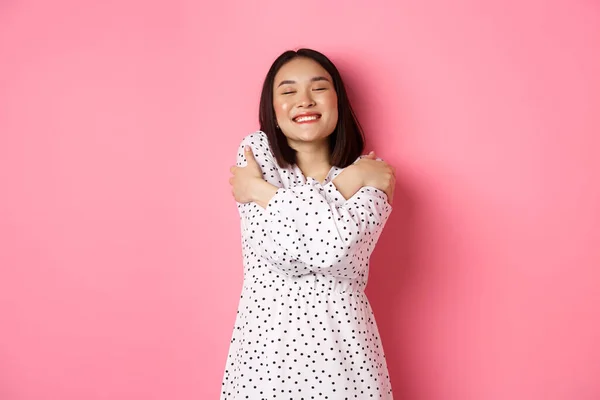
{"type": "Point", "coordinates": [311, 212]}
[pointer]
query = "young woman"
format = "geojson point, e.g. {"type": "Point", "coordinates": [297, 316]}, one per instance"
{"type": "Point", "coordinates": [312, 209]}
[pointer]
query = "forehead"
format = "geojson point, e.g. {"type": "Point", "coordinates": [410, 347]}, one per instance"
{"type": "Point", "coordinates": [300, 69]}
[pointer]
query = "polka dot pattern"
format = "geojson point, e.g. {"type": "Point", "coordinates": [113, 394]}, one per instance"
{"type": "Point", "coordinates": [304, 327]}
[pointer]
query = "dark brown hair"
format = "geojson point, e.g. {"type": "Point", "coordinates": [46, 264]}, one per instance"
{"type": "Point", "coordinates": [346, 142]}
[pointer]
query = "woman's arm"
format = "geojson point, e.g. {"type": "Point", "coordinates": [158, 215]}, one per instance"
{"type": "Point", "coordinates": [347, 183]}
{"type": "Point", "coordinates": [335, 240]}
{"type": "Point", "coordinates": [300, 230]}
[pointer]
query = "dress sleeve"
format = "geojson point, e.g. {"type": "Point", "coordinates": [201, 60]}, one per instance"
{"type": "Point", "coordinates": [311, 228]}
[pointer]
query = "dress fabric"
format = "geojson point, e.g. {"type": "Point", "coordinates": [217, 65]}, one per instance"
{"type": "Point", "coordinates": [304, 328]}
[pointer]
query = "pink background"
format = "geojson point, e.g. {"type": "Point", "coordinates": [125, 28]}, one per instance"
{"type": "Point", "coordinates": [120, 263]}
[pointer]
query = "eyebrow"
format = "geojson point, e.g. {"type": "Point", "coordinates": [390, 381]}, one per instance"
{"type": "Point", "coordinates": [314, 79]}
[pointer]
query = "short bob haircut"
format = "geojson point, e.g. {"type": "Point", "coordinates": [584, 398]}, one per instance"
{"type": "Point", "coordinates": [346, 142]}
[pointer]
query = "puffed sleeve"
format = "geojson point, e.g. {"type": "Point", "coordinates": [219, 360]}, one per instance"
{"type": "Point", "coordinates": [311, 228]}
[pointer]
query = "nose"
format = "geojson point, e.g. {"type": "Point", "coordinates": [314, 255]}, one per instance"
{"type": "Point", "coordinates": [306, 99]}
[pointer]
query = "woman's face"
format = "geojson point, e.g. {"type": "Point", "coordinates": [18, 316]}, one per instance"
{"type": "Point", "coordinates": [305, 101]}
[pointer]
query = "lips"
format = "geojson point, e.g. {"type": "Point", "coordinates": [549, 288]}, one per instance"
{"type": "Point", "coordinates": [306, 117]}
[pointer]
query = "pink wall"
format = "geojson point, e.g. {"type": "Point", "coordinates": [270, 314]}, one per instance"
{"type": "Point", "coordinates": [120, 264]}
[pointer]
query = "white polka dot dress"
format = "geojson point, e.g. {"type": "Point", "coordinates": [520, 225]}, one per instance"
{"type": "Point", "coordinates": [304, 328]}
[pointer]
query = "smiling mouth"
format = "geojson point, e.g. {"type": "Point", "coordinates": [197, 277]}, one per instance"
{"type": "Point", "coordinates": [306, 118]}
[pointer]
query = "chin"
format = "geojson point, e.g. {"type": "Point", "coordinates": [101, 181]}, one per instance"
{"type": "Point", "coordinates": [310, 136]}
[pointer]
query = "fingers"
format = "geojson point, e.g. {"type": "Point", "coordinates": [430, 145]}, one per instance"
{"type": "Point", "coordinates": [249, 154]}
{"type": "Point", "coordinates": [233, 169]}
{"type": "Point", "coordinates": [390, 191]}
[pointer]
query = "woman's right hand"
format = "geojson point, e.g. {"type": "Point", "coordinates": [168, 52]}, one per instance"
{"type": "Point", "coordinates": [378, 174]}
{"type": "Point", "coordinates": [247, 183]}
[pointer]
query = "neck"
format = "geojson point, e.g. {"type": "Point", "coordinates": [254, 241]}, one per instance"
{"type": "Point", "coordinates": [313, 159]}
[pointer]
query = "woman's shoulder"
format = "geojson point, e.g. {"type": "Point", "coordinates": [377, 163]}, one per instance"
{"type": "Point", "coordinates": [259, 143]}
{"type": "Point", "coordinates": [257, 138]}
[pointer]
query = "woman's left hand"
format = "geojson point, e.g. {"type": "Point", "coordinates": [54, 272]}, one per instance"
{"type": "Point", "coordinates": [246, 179]}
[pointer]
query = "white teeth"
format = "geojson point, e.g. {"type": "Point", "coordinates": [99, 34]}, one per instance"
{"type": "Point", "coordinates": [308, 118]}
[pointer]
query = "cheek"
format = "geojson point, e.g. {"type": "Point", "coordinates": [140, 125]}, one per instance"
{"type": "Point", "coordinates": [332, 106]}
{"type": "Point", "coordinates": [281, 109]}
{"type": "Point", "coordinates": [330, 101]}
